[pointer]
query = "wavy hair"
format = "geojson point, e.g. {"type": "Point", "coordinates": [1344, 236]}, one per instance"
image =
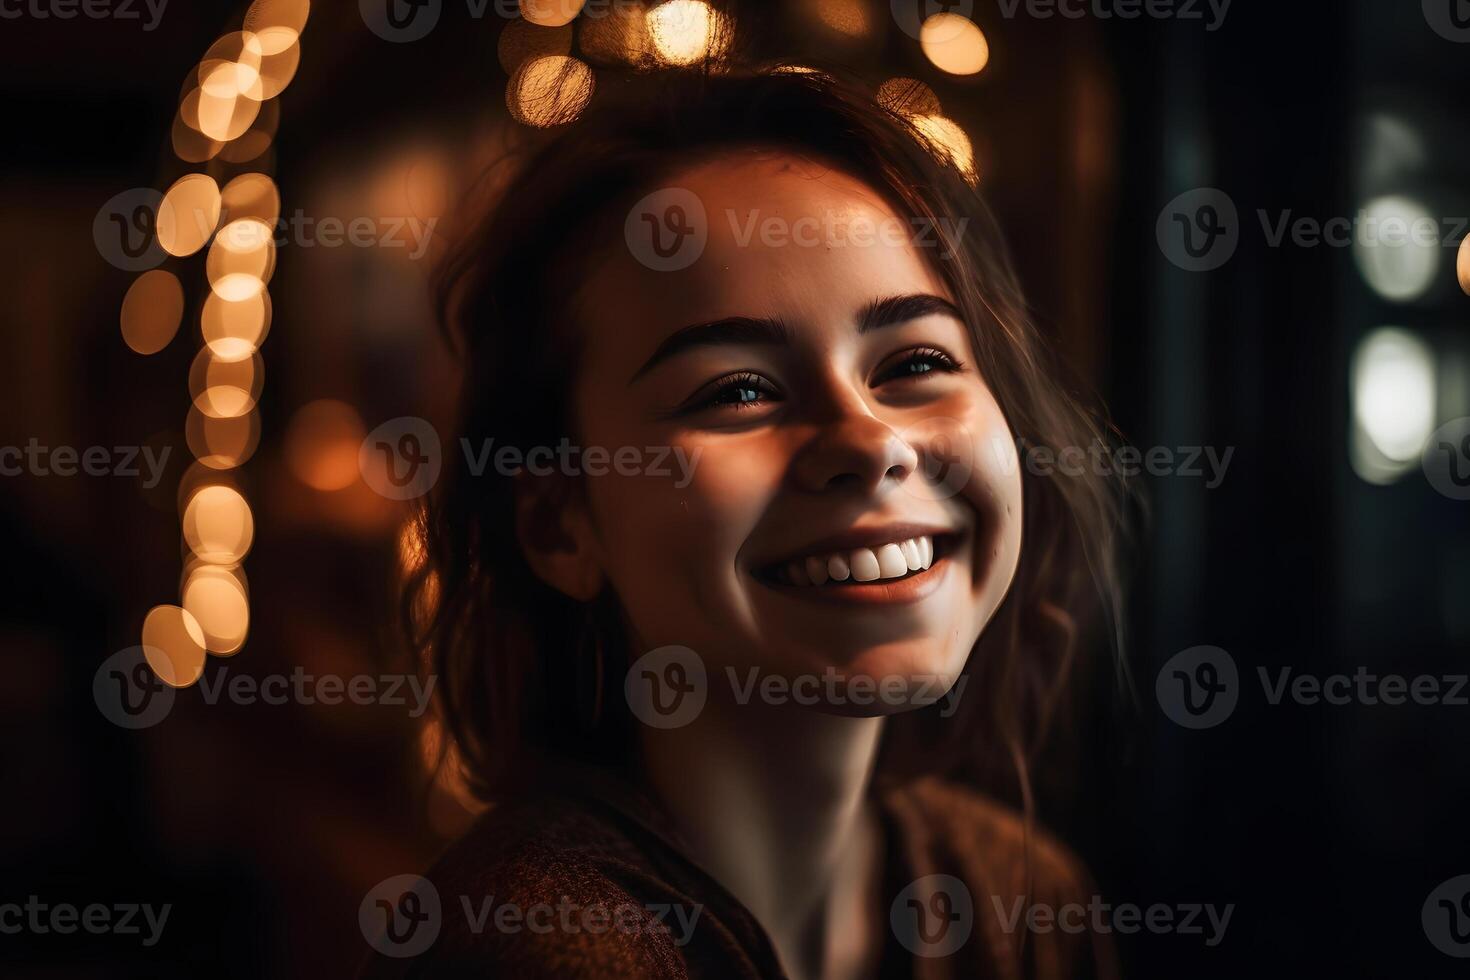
{"type": "Point", "coordinates": [507, 648]}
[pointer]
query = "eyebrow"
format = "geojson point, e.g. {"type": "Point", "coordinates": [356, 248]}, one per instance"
{"type": "Point", "coordinates": [772, 332]}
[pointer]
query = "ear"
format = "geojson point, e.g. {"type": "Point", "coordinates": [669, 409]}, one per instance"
{"type": "Point", "coordinates": [554, 530]}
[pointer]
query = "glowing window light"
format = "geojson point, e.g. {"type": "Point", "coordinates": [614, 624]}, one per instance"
{"type": "Point", "coordinates": [152, 311]}
{"type": "Point", "coordinates": [948, 141]}
{"type": "Point", "coordinates": [322, 444]}
{"type": "Point", "coordinates": [685, 32]}
{"type": "Point", "coordinates": [550, 13]}
{"type": "Point", "coordinates": [188, 214]}
{"type": "Point", "coordinates": [218, 524]}
{"type": "Point", "coordinates": [173, 645]}
{"type": "Point", "coordinates": [908, 97]}
{"type": "Point", "coordinates": [215, 598]}
{"type": "Point", "coordinates": [954, 44]}
{"type": "Point", "coordinates": [235, 329]}
{"type": "Point", "coordinates": [1397, 247]}
{"type": "Point", "coordinates": [1393, 393]}
{"type": "Point", "coordinates": [549, 91]}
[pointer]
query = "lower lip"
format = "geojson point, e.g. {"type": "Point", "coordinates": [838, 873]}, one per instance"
{"type": "Point", "coordinates": [912, 588]}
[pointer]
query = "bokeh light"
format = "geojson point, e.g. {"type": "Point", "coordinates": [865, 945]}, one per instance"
{"type": "Point", "coordinates": [908, 97]}
{"type": "Point", "coordinates": [686, 32]}
{"type": "Point", "coordinates": [1393, 394]}
{"type": "Point", "coordinates": [217, 600]}
{"type": "Point", "coordinates": [218, 524]}
{"type": "Point", "coordinates": [251, 195]}
{"type": "Point", "coordinates": [242, 259]}
{"type": "Point", "coordinates": [550, 13]}
{"type": "Point", "coordinates": [222, 443]}
{"type": "Point", "coordinates": [152, 311]}
{"type": "Point", "coordinates": [954, 44]}
{"type": "Point", "coordinates": [520, 41]}
{"type": "Point", "coordinates": [948, 141]}
{"type": "Point", "coordinates": [549, 91]}
{"type": "Point", "coordinates": [1397, 247]}
{"type": "Point", "coordinates": [618, 36]}
{"type": "Point", "coordinates": [233, 329]}
{"type": "Point", "coordinates": [322, 444]}
{"type": "Point", "coordinates": [188, 214]}
{"type": "Point", "coordinates": [847, 17]}
{"type": "Point", "coordinates": [173, 644]}
{"type": "Point", "coordinates": [1462, 265]}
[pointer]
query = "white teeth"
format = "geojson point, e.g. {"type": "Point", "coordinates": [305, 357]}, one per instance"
{"type": "Point", "coordinates": [891, 562]}
{"type": "Point", "coordinates": [886, 561]}
{"type": "Point", "coordinates": [864, 564]}
{"type": "Point", "coordinates": [816, 570]}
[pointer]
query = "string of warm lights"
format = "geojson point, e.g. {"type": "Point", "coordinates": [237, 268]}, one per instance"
{"type": "Point", "coordinates": [226, 119]}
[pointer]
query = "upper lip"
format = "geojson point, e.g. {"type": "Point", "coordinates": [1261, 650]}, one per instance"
{"type": "Point", "coordinates": [863, 537]}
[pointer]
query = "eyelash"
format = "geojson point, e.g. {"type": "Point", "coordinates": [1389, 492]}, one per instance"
{"type": "Point", "coordinates": [719, 389]}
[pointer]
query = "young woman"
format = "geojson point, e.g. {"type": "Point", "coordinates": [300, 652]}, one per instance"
{"type": "Point", "coordinates": [726, 690]}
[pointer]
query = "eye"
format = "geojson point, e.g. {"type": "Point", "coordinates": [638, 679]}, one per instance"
{"type": "Point", "coordinates": [915, 363]}
{"type": "Point", "coordinates": [734, 392]}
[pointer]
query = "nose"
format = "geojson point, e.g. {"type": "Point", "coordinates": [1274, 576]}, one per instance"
{"type": "Point", "coordinates": [855, 451]}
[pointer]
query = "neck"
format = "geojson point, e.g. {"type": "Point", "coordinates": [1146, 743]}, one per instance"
{"type": "Point", "coordinates": [774, 803]}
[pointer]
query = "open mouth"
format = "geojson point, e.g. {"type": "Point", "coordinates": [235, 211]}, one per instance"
{"type": "Point", "coordinates": [846, 569]}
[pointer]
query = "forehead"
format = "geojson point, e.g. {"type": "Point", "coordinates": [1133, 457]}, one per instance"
{"type": "Point", "coordinates": [783, 237]}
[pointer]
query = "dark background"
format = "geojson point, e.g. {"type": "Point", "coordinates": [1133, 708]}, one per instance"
{"type": "Point", "coordinates": [1326, 826]}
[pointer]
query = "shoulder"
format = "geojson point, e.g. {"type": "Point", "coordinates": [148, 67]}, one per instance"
{"type": "Point", "coordinates": [549, 887]}
{"type": "Point", "coordinates": [1028, 891]}
{"type": "Point", "coordinates": [974, 830]}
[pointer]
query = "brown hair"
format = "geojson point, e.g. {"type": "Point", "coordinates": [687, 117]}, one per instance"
{"type": "Point", "coordinates": [507, 648]}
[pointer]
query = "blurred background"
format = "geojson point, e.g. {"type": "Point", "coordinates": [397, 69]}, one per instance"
{"type": "Point", "coordinates": [1097, 130]}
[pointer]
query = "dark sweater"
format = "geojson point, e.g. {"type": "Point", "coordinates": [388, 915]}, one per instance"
{"type": "Point", "coordinates": [595, 884]}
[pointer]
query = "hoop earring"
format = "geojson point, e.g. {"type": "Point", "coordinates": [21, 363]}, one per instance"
{"type": "Point", "coordinates": [589, 676]}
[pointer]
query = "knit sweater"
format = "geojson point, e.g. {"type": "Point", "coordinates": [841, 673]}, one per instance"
{"type": "Point", "coordinates": [594, 883]}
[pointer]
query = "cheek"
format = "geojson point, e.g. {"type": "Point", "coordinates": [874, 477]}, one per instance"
{"type": "Point", "coordinates": [994, 491]}
{"type": "Point", "coordinates": [670, 541]}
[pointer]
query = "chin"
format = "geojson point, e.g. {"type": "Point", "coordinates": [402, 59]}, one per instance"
{"type": "Point", "coordinates": [885, 679]}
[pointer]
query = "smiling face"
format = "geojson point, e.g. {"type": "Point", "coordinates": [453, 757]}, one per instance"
{"type": "Point", "coordinates": [854, 503]}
